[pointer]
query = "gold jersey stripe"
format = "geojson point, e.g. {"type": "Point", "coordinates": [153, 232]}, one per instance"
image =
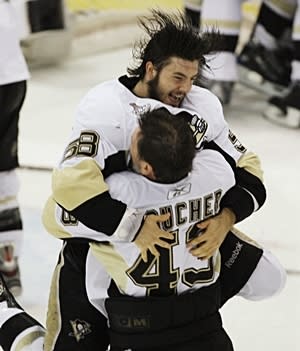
{"type": "Point", "coordinates": [284, 6]}
{"type": "Point", "coordinates": [50, 223]}
{"type": "Point", "coordinates": [7, 199]}
{"type": "Point", "coordinates": [244, 237]}
{"type": "Point", "coordinates": [113, 262]}
{"type": "Point", "coordinates": [53, 313]}
{"type": "Point", "coordinates": [74, 185]}
{"type": "Point", "coordinates": [251, 163]}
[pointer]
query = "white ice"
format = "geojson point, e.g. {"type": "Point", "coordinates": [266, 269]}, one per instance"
{"type": "Point", "coordinates": [53, 94]}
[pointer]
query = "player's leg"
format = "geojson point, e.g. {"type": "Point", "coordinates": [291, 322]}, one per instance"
{"type": "Point", "coordinates": [267, 280]}
{"type": "Point", "coordinates": [11, 235]}
{"type": "Point", "coordinates": [248, 270]}
{"type": "Point", "coordinates": [46, 15]}
{"type": "Point", "coordinates": [73, 323]}
{"type": "Point", "coordinates": [285, 109]}
{"type": "Point", "coordinates": [226, 17]}
{"type": "Point", "coordinates": [266, 58]}
{"type": "Point", "coordinates": [18, 330]}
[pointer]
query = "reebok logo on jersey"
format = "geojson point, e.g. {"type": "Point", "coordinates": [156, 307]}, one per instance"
{"type": "Point", "coordinates": [178, 191]}
{"type": "Point", "coordinates": [234, 255]}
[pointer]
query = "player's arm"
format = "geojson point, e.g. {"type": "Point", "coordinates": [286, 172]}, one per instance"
{"type": "Point", "coordinates": [96, 149]}
{"type": "Point", "coordinates": [238, 202]}
{"type": "Point", "coordinates": [79, 186]}
{"type": "Point", "coordinates": [247, 196]}
{"type": "Point", "coordinates": [81, 207]}
{"type": "Point", "coordinates": [249, 193]}
{"type": "Point", "coordinates": [94, 218]}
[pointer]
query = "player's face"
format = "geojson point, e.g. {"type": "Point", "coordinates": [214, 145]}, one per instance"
{"type": "Point", "coordinates": [174, 81]}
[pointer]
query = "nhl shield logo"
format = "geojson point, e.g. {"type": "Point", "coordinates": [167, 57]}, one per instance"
{"type": "Point", "coordinates": [138, 110]}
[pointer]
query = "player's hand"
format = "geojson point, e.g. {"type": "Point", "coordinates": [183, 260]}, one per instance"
{"type": "Point", "coordinates": [215, 230]}
{"type": "Point", "coordinates": [151, 235]}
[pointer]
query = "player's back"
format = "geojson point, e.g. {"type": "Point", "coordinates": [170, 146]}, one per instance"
{"type": "Point", "coordinates": [189, 201]}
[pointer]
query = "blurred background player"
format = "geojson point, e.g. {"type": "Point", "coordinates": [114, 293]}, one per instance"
{"type": "Point", "coordinates": [266, 56]}
{"type": "Point", "coordinates": [192, 9]}
{"type": "Point", "coordinates": [268, 62]}
{"type": "Point", "coordinates": [13, 76]}
{"type": "Point", "coordinates": [273, 53]}
{"type": "Point", "coordinates": [46, 15]}
{"type": "Point", "coordinates": [49, 39]}
{"type": "Point", "coordinates": [226, 17]}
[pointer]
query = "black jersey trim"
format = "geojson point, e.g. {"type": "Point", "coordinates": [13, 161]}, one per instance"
{"type": "Point", "coordinates": [238, 198]}
{"type": "Point", "coordinates": [101, 213]}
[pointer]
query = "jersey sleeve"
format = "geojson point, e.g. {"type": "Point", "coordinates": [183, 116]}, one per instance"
{"type": "Point", "coordinates": [78, 185]}
{"type": "Point", "coordinates": [249, 193]}
{"type": "Point", "coordinates": [208, 107]}
{"type": "Point", "coordinates": [64, 225]}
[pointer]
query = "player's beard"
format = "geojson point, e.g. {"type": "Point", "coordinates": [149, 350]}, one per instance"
{"type": "Point", "coordinates": [153, 88]}
{"type": "Point", "coordinates": [156, 93]}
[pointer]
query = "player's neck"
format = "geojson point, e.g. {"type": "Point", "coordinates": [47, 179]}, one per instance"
{"type": "Point", "coordinates": [141, 89]}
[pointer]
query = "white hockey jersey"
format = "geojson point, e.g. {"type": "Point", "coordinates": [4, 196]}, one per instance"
{"type": "Point", "coordinates": [111, 111]}
{"type": "Point", "coordinates": [105, 120]}
{"type": "Point", "coordinates": [13, 67]}
{"type": "Point", "coordinates": [192, 199]}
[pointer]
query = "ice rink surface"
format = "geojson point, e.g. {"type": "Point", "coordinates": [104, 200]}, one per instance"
{"type": "Point", "coordinates": [53, 94]}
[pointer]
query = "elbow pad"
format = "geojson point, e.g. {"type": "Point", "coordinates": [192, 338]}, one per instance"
{"type": "Point", "coordinates": [247, 196]}
{"type": "Point", "coordinates": [101, 213]}
{"type": "Point", "coordinates": [244, 200]}
{"type": "Point", "coordinates": [240, 201]}
{"type": "Point", "coordinates": [252, 184]}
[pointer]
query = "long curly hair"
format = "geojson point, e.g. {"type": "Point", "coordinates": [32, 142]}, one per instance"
{"type": "Point", "coordinates": [171, 35]}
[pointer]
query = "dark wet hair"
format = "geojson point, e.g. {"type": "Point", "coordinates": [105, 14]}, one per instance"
{"type": "Point", "coordinates": [171, 35]}
{"type": "Point", "coordinates": [167, 144]}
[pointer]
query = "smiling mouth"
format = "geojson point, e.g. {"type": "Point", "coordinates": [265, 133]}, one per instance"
{"type": "Point", "coordinates": [176, 98]}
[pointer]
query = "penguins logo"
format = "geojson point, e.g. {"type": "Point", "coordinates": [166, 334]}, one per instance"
{"type": "Point", "coordinates": [80, 329]}
{"type": "Point", "coordinates": [199, 127]}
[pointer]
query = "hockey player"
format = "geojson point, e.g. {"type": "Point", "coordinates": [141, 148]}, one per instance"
{"type": "Point", "coordinates": [13, 76]}
{"type": "Point", "coordinates": [170, 81]}
{"type": "Point", "coordinates": [226, 17]}
{"type": "Point", "coordinates": [167, 295]}
{"type": "Point", "coordinates": [265, 60]}
{"type": "Point", "coordinates": [278, 24]}
{"type": "Point", "coordinates": [192, 9]}
{"type": "Point", "coordinates": [223, 72]}
{"type": "Point", "coordinates": [169, 62]}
